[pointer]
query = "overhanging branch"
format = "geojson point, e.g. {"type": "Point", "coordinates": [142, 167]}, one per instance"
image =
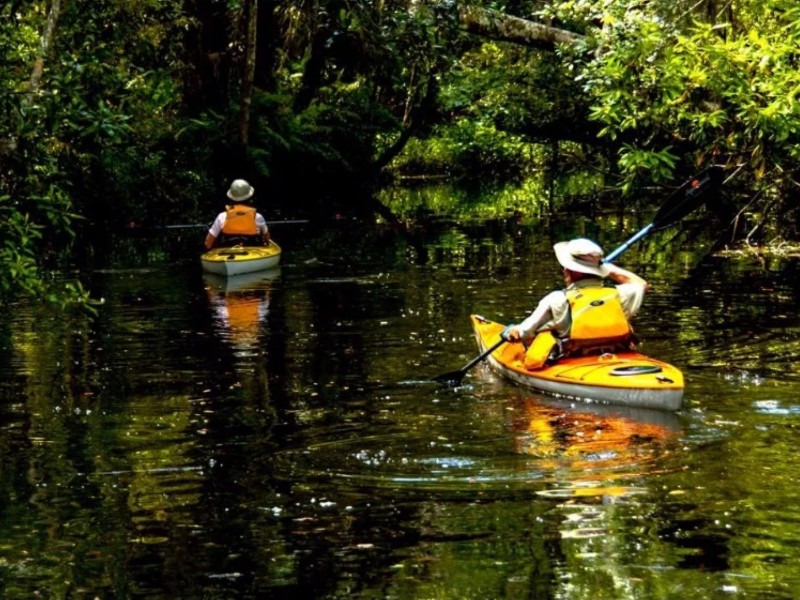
{"type": "Point", "coordinates": [496, 25]}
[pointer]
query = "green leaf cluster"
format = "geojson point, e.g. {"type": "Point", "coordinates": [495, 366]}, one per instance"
{"type": "Point", "coordinates": [84, 135]}
{"type": "Point", "coordinates": [674, 93]}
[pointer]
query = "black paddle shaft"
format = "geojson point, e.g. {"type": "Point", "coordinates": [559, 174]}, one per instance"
{"type": "Point", "coordinates": [454, 377]}
{"type": "Point", "coordinates": [689, 196]}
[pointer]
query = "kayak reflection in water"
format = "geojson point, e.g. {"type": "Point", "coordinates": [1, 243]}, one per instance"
{"type": "Point", "coordinates": [240, 304]}
{"type": "Point", "coordinates": [591, 433]}
{"type": "Point", "coordinates": [593, 451]}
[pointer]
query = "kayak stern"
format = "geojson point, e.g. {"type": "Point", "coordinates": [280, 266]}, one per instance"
{"type": "Point", "coordinates": [239, 260]}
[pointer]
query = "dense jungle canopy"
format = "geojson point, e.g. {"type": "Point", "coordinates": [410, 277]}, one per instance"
{"type": "Point", "coordinates": [141, 111]}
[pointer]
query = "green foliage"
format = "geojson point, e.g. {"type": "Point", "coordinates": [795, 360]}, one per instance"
{"type": "Point", "coordinates": [17, 254]}
{"type": "Point", "coordinates": [523, 200]}
{"type": "Point", "coordinates": [658, 165]}
{"type": "Point", "coordinates": [19, 262]}
{"type": "Point", "coordinates": [314, 142]}
{"type": "Point", "coordinates": [113, 133]}
{"type": "Point", "coordinates": [502, 107]}
{"type": "Point", "coordinates": [698, 94]}
{"type": "Point", "coordinates": [487, 201]}
{"type": "Point", "coordinates": [468, 149]}
{"type": "Point", "coordinates": [532, 94]}
{"type": "Point", "coordinates": [87, 132]}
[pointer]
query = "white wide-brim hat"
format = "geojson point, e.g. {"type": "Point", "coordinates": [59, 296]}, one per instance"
{"type": "Point", "coordinates": [240, 190]}
{"type": "Point", "coordinates": [581, 255]}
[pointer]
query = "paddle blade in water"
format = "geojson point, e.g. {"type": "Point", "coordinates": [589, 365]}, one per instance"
{"type": "Point", "coordinates": [453, 378]}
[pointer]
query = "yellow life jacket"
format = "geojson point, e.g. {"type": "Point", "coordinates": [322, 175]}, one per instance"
{"type": "Point", "coordinates": [598, 324]}
{"type": "Point", "coordinates": [544, 347]}
{"type": "Point", "coordinates": [598, 320]}
{"type": "Point", "coordinates": [240, 220]}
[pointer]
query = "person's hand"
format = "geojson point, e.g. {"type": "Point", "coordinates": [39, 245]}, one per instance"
{"type": "Point", "coordinates": [511, 334]}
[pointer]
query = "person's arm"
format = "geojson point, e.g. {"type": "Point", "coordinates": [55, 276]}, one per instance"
{"type": "Point", "coordinates": [527, 329]}
{"type": "Point", "coordinates": [263, 230]}
{"type": "Point", "coordinates": [619, 275]}
{"type": "Point", "coordinates": [213, 233]}
{"type": "Point", "coordinates": [631, 287]}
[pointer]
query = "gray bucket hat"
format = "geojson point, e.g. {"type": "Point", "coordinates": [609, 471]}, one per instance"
{"type": "Point", "coordinates": [240, 190]}
{"type": "Point", "coordinates": [581, 255]}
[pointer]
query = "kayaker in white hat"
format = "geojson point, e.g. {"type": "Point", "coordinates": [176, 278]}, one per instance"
{"type": "Point", "coordinates": [587, 316]}
{"type": "Point", "coordinates": [241, 223]}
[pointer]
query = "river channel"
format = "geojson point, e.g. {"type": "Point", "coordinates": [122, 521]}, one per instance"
{"type": "Point", "coordinates": [279, 436]}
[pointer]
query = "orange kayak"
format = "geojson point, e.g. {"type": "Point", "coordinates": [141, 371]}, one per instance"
{"type": "Point", "coordinates": [626, 378]}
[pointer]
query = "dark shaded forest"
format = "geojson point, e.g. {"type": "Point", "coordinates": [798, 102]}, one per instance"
{"type": "Point", "coordinates": [121, 113]}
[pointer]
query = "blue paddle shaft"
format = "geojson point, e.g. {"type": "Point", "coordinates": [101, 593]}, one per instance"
{"type": "Point", "coordinates": [629, 243]}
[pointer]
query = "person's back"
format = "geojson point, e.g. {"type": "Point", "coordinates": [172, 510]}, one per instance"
{"type": "Point", "coordinates": [598, 322]}
{"type": "Point", "coordinates": [240, 223]}
{"type": "Point", "coordinates": [240, 226]}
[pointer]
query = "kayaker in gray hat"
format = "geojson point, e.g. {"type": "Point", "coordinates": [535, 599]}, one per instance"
{"type": "Point", "coordinates": [586, 316]}
{"type": "Point", "coordinates": [240, 223]}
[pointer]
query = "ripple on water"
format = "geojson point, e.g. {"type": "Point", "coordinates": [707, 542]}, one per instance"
{"type": "Point", "coordinates": [528, 445]}
{"type": "Point", "coordinates": [776, 407]}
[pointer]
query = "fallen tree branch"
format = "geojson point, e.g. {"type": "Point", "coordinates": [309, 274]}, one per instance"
{"type": "Point", "coordinates": [497, 25]}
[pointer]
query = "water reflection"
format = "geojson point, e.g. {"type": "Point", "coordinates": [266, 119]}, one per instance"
{"type": "Point", "coordinates": [240, 305]}
{"type": "Point", "coordinates": [595, 456]}
{"type": "Point", "coordinates": [598, 464]}
{"type": "Point", "coordinates": [295, 448]}
{"type": "Point", "coordinates": [516, 444]}
{"type": "Point", "coordinates": [588, 444]}
{"type": "Point", "coordinates": [473, 492]}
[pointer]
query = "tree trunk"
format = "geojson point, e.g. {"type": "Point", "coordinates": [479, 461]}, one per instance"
{"type": "Point", "coordinates": [208, 62]}
{"type": "Point", "coordinates": [415, 120]}
{"type": "Point", "coordinates": [248, 75]}
{"type": "Point", "coordinates": [313, 70]}
{"type": "Point", "coordinates": [47, 40]}
{"type": "Point", "coordinates": [267, 58]}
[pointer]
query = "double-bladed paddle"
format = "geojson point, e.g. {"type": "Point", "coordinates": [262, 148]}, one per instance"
{"type": "Point", "coordinates": [679, 204]}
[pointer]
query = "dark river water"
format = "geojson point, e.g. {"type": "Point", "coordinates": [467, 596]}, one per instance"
{"type": "Point", "coordinates": [280, 436]}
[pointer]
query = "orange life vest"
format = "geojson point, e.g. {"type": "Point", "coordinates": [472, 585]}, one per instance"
{"type": "Point", "coordinates": [598, 320]}
{"type": "Point", "coordinates": [240, 219]}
